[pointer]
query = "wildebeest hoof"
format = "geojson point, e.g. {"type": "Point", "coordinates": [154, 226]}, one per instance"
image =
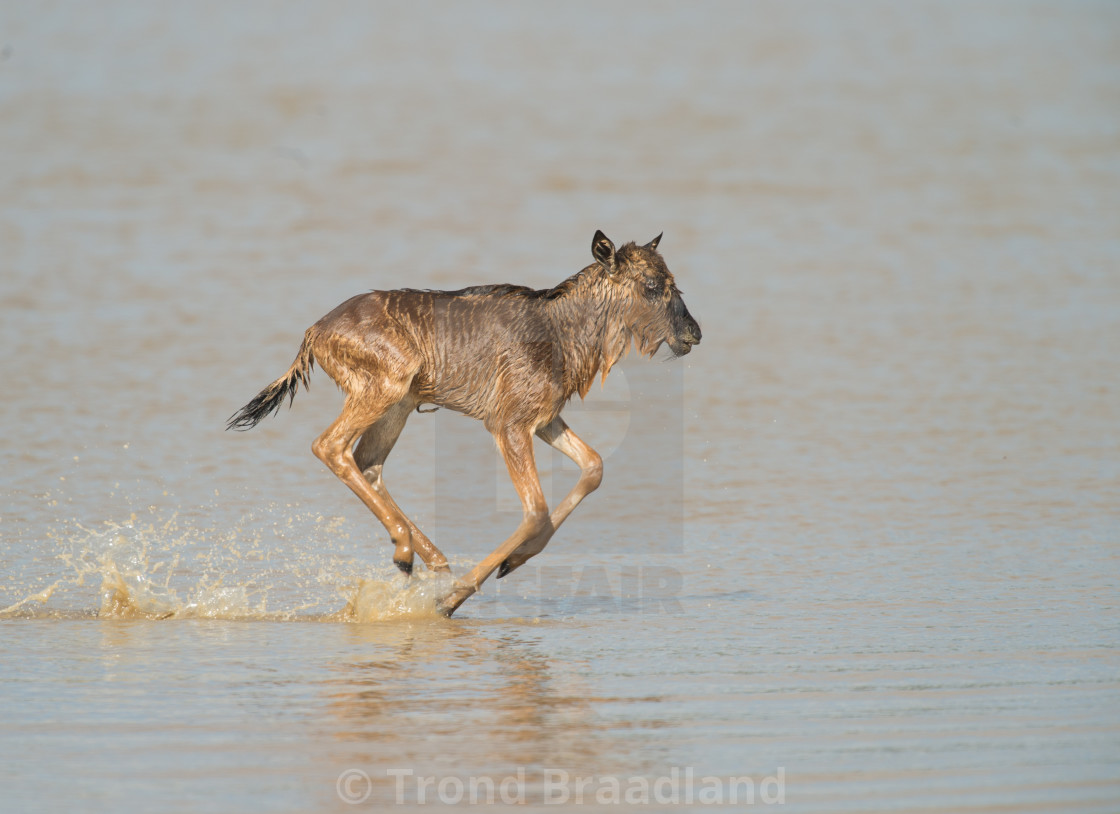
{"type": "Point", "coordinates": [504, 569]}
{"type": "Point", "coordinates": [405, 567]}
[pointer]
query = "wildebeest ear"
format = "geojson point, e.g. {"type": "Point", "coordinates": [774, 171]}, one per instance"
{"type": "Point", "coordinates": [652, 245]}
{"type": "Point", "coordinates": [603, 250]}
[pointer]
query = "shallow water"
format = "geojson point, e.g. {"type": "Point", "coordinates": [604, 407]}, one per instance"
{"type": "Point", "coordinates": [858, 552]}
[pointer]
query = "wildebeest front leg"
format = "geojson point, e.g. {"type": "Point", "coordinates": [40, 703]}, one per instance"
{"type": "Point", "coordinates": [516, 446]}
{"type": "Point", "coordinates": [559, 436]}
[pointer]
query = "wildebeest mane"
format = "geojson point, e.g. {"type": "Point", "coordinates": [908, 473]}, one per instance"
{"type": "Point", "coordinates": [508, 289]}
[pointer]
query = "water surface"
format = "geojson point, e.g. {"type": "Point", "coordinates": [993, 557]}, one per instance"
{"type": "Point", "coordinates": [857, 552]}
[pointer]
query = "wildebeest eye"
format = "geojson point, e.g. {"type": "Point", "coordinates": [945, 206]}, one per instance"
{"type": "Point", "coordinates": [653, 286]}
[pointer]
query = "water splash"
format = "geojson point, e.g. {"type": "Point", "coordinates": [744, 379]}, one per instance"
{"type": "Point", "coordinates": [399, 598]}
{"type": "Point", "coordinates": [130, 586]}
{"type": "Point", "coordinates": [172, 569]}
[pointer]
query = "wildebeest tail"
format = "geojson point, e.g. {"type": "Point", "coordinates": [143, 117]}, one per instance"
{"type": "Point", "coordinates": [269, 400]}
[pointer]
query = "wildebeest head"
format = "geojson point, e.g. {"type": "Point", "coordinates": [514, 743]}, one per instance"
{"type": "Point", "coordinates": [652, 308]}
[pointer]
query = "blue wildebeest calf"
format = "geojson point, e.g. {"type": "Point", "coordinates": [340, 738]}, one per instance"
{"type": "Point", "coordinates": [507, 355]}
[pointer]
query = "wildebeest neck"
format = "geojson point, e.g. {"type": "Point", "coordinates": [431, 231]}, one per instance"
{"type": "Point", "coordinates": [585, 315]}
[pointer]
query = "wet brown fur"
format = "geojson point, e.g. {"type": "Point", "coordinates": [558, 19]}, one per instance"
{"type": "Point", "coordinates": [507, 355]}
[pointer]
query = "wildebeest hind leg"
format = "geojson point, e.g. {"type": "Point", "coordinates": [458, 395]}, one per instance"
{"type": "Point", "coordinates": [335, 448]}
{"type": "Point", "coordinates": [373, 448]}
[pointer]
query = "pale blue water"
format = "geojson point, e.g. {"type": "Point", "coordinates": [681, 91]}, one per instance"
{"type": "Point", "coordinates": [859, 551]}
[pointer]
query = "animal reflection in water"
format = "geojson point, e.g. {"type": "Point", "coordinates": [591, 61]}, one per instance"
{"type": "Point", "coordinates": [505, 354]}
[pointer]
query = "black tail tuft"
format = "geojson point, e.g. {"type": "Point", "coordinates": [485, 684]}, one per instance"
{"type": "Point", "coordinates": [269, 400]}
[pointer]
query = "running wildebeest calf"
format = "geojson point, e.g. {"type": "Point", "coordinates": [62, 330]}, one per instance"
{"type": "Point", "coordinates": [505, 354]}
